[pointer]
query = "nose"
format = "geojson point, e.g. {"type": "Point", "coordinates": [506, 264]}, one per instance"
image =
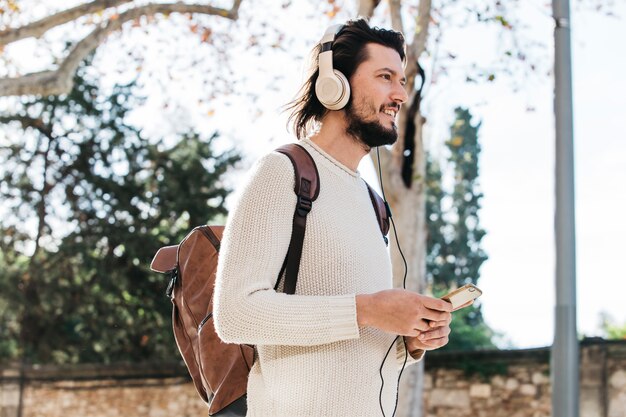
{"type": "Point", "coordinates": [399, 94]}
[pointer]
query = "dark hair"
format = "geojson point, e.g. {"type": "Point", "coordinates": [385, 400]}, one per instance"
{"type": "Point", "coordinates": [348, 53]}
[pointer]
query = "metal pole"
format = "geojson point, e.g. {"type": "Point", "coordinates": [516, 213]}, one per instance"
{"type": "Point", "coordinates": [564, 361]}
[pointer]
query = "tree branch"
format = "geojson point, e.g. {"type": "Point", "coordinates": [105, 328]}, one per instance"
{"type": "Point", "coordinates": [60, 81]}
{"type": "Point", "coordinates": [39, 27]}
{"type": "Point", "coordinates": [25, 121]}
{"type": "Point", "coordinates": [418, 45]}
{"type": "Point", "coordinates": [46, 186]}
{"type": "Point", "coordinates": [396, 17]}
{"type": "Point", "coordinates": [414, 50]}
{"type": "Point", "coordinates": [366, 8]}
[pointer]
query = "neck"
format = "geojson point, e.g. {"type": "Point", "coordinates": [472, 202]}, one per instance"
{"type": "Point", "coordinates": [334, 140]}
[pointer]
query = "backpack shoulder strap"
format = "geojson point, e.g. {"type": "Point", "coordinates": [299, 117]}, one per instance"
{"type": "Point", "coordinates": [383, 213]}
{"type": "Point", "coordinates": [307, 188]}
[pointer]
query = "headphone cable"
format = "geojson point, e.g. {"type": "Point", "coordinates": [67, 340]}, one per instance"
{"type": "Point", "coordinates": [406, 354]}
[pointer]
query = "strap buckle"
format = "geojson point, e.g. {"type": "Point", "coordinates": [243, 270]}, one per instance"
{"type": "Point", "coordinates": [304, 206]}
{"type": "Point", "coordinates": [172, 284]}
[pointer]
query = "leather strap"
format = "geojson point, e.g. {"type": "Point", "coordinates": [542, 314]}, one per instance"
{"type": "Point", "coordinates": [380, 207]}
{"type": "Point", "coordinates": [307, 189]}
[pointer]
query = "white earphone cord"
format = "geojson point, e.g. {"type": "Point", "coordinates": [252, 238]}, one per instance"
{"type": "Point", "coordinates": [406, 354]}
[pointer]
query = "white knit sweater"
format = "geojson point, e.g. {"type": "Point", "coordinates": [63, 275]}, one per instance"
{"type": "Point", "coordinates": [313, 359]}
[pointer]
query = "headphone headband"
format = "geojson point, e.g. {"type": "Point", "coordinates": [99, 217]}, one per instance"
{"type": "Point", "coordinates": [331, 34]}
{"type": "Point", "coordinates": [332, 88]}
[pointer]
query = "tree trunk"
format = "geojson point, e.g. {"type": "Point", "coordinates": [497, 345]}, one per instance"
{"type": "Point", "coordinates": [408, 200]}
{"type": "Point", "coordinates": [408, 205]}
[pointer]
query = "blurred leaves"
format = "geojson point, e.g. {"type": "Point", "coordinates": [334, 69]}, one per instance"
{"type": "Point", "coordinates": [612, 329]}
{"type": "Point", "coordinates": [86, 294]}
{"type": "Point", "coordinates": [454, 254]}
{"type": "Point", "coordinates": [469, 331]}
{"type": "Point", "coordinates": [502, 20]}
{"type": "Point", "coordinates": [9, 6]}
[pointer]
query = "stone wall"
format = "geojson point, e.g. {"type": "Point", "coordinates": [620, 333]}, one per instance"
{"type": "Point", "coordinates": [480, 384]}
{"type": "Point", "coordinates": [494, 384]}
{"type": "Point", "coordinates": [517, 383]}
{"type": "Point", "coordinates": [128, 390]}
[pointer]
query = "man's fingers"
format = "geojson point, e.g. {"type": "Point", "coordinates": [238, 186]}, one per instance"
{"type": "Point", "coordinates": [437, 304]}
{"type": "Point", "coordinates": [413, 333]}
{"type": "Point", "coordinates": [438, 316]}
{"type": "Point", "coordinates": [436, 343]}
{"type": "Point", "coordinates": [469, 303]}
{"type": "Point", "coordinates": [435, 324]}
{"type": "Point", "coordinates": [435, 334]}
{"type": "Point", "coordinates": [422, 325]}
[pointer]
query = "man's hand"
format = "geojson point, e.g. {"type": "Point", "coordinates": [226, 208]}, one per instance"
{"type": "Point", "coordinates": [428, 340]}
{"type": "Point", "coordinates": [434, 338]}
{"type": "Point", "coordinates": [405, 313]}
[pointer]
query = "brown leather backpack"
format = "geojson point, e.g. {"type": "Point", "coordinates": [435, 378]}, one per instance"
{"type": "Point", "coordinates": [220, 370]}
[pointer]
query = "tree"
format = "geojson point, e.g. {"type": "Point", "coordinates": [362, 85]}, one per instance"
{"type": "Point", "coordinates": [75, 165]}
{"type": "Point", "coordinates": [454, 254]}
{"type": "Point", "coordinates": [59, 81]}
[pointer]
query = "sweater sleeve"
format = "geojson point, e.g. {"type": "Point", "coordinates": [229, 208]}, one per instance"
{"type": "Point", "coordinates": [410, 358]}
{"type": "Point", "coordinates": [247, 309]}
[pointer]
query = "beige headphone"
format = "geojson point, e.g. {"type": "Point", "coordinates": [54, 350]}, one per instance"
{"type": "Point", "coordinates": [331, 88]}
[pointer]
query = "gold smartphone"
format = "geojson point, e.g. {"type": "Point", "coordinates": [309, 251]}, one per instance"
{"type": "Point", "coordinates": [462, 295]}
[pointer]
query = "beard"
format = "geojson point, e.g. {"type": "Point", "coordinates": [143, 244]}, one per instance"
{"type": "Point", "coordinates": [370, 134]}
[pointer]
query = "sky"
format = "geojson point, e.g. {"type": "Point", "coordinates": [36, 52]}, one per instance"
{"type": "Point", "coordinates": [516, 163]}
{"type": "Point", "coordinates": [517, 179]}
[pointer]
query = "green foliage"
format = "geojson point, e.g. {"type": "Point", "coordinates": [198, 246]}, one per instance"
{"type": "Point", "coordinates": [90, 201]}
{"type": "Point", "coordinates": [469, 332]}
{"type": "Point", "coordinates": [613, 330]}
{"type": "Point", "coordinates": [454, 255]}
{"type": "Point", "coordinates": [616, 332]}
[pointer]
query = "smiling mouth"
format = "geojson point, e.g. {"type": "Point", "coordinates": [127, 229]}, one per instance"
{"type": "Point", "coordinates": [391, 113]}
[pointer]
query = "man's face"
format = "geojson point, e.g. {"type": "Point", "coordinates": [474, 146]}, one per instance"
{"type": "Point", "coordinates": [377, 89]}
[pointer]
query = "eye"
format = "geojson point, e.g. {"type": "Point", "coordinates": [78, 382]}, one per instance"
{"type": "Point", "coordinates": [386, 76]}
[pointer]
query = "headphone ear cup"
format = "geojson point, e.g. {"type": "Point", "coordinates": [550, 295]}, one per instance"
{"type": "Point", "coordinates": [345, 93]}
{"type": "Point", "coordinates": [333, 92]}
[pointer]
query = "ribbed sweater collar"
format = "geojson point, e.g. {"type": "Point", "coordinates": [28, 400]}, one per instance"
{"type": "Point", "coordinates": [332, 162]}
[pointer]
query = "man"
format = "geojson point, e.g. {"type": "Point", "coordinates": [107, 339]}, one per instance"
{"type": "Point", "coordinates": [321, 351]}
